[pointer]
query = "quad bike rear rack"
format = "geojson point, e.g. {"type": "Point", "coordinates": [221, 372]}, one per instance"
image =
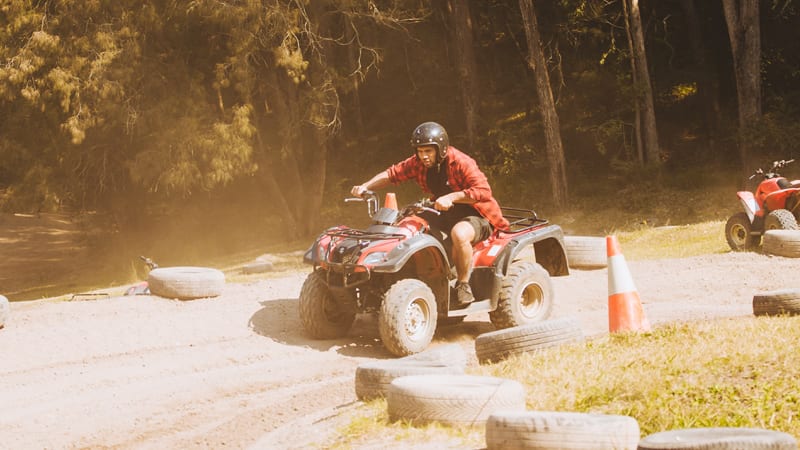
{"type": "Point", "coordinates": [521, 219]}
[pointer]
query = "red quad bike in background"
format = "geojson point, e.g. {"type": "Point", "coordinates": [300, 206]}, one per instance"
{"type": "Point", "coordinates": [400, 269]}
{"type": "Point", "coordinates": [774, 206]}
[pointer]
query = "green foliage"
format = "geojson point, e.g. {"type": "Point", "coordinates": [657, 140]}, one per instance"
{"type": "Point", "coordinates": [181, 99]}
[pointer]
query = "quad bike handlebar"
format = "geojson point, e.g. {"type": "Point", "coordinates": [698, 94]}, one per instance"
{"type": "Point", "coordinates": [372, 204]}
{"type": "Point", "coordinates": [772, 172]}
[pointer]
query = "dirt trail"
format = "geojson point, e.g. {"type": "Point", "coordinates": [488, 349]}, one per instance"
{"type": "Point", "coordinates": [236, 371]}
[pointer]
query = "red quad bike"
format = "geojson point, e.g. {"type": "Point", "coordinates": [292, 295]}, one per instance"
{"type": "Point", "coordinates": [400, 269]}
{"type": "Point", "coordinates": [774, 206]}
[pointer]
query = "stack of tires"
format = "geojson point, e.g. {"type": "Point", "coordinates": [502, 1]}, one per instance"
{"type": "Point", "coordinates": [432, 386]}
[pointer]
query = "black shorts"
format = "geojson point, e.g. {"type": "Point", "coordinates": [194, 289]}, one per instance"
{"type": "Point", "coordinates": [460, 212]}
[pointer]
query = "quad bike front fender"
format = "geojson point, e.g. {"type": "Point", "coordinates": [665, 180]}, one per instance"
{"type": "Point", "coordinates": [749, 204]}
{"type": "Point", "coordinates": [399, 256]}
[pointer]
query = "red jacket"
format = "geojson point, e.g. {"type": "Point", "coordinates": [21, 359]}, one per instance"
{"type": "Point", "coordinates": [463, 174]}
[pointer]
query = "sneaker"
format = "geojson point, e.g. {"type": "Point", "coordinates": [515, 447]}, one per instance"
{"type": "Point", "coordinates": [463, 293]}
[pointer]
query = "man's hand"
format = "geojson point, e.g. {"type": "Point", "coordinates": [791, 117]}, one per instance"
{"type": "Point", "coordinates": [443, 203]}
{"type": "Point", "coordinates": [358, 191]}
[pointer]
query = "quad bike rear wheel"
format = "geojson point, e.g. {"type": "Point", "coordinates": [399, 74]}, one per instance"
{"type": "Point", "coordinates": [780, 219]}
{"type": "Point", "coordinates": [321, 315]}
{"type": "Point", "coordinates": [737, 233]}
{"type": "Point", "coordinates": [407, 318]}
{"type": "Point", "coordinates": [526, 296]}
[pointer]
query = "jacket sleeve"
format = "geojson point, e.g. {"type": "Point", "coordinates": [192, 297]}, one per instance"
{"type": "Point", "coordinates": [404, 170]}
{"type": "Point", "coordinates": [476, 186]}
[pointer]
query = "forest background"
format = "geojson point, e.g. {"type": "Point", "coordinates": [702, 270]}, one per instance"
{"type": "Point", "coordinates": [186, 130]}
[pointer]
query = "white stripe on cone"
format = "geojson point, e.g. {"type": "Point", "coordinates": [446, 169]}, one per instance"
{"type": "Point", "coordinates": [625, 312]}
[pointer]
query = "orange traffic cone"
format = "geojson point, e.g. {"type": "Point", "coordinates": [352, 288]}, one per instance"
{"type": "Point", "coordinates": [625, 311]}
{"type": "Point", "coordinates": [390, 201]}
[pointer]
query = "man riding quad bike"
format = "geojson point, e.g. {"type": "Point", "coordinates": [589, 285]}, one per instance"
{"type": "Point", "coordinates": [413, 274]}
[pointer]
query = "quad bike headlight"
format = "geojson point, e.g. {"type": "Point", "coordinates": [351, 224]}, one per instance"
{"type": "Point", "coordinates": [375, 258]}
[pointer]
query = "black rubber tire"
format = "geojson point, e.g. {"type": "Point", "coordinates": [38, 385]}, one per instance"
{"type": "Point", "coordinates": [186, 283]}
{"type": "Point", "coordinates": [586, 252]}
{"type": "Point", "coordinates": [496, 346]}
{"type": "Point", "coordinates": [374, 377]}
{"type": "Point", "coordinates": [778, 302]}
{"type": "Point", "coordinates": [780, 219]}
{"type": "Point", "coordinates": [526, 296]}
{"type": "Point", "coordinates": [320, 315]}
{"type": "Point", "coordinates": [724, 438]}
{"type": "Point", "coordinates": [737, 233]}
{"type": "Point", "coordinates": [452, 399]}
{"type": "Point", "coordinates": [782, 243]}
{"type": "Point", "coordinates": [563, 430]}
{"type": "Point", "coordinates": [5, 310]}
{"type": "Point", "coordinates": [407, 319]}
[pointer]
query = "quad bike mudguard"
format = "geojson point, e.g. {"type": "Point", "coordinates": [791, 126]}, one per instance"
{"type": "Point", "coordinates": [749, 204]}
{"type": "Point", "coordinates": [548, 245]}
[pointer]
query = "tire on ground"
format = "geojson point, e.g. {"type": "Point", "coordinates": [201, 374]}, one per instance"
{"type": "Point", "coordinates": [374, 377]}
{"type": "Point", "coordinates": [723, 438]}
{"type": "Point", "coordinates": [257, 267]}
{"type": "Point", "coordinates": [782, 243]}
{"type": "Point", "coordinates": [497, 345]}
{"type": "Point", "coordinates": [186, 283]}
{"type": "Point", "coordinates": [5, 309]}
{"type": "Point", "coordinates": [564, 430]}
{"type": "Point", "coordinates": [586, 252]}
{"type": "Point", "coordinates": [778, 302]}
{"type": "Point", "coordinates": [451, 354]}
{"type": "Point", "coordinates": [452, 399]}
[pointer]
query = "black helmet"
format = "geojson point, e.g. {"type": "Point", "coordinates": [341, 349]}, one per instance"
{"type": "Point", "coordinates": [431, 133]}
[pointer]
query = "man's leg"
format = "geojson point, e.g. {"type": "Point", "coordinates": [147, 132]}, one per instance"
{"type": "Point", "coordinates": [462, 235]}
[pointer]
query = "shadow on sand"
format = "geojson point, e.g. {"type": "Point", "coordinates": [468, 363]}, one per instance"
{"type": "Point", "coordinates": [278, 320]}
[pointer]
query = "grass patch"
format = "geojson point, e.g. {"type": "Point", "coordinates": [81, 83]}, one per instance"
{"type": "Point", "coordinates": [683, 375]}
{"type": "Point", "coordinates": [680, 241]}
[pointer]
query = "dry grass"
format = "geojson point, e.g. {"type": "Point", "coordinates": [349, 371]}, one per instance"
{"type": "Point", "coordinates": [685, 375]}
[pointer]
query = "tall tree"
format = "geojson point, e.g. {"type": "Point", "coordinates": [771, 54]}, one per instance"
{"type": "Point", "coordinates": [463, 40]}
{"type": "Point", "coordinates": [644, 92]}
{"type": "Point", "coordinates": [547, 106]}
{"type": "Point", "coordinates": [742, 18]}
{"type": "Point", "coordinates": [707, 84]}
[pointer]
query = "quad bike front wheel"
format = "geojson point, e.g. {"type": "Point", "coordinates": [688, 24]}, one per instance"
{"type": "Point", "coordinates": [737, 233]}
{"type": "Point", "coordinates": [321, 315]}
{"type": "Point", "coordinates": [407, 318]}
{"type": "Point", "coordinates": [526, 296]}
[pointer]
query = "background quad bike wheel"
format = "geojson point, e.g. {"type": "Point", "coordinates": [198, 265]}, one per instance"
{"type": "Point", "coordinates": [738, 228]}
{"type": "Point", "coordinates": [737, 233]}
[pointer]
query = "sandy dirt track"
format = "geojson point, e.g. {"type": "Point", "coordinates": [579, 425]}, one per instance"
{"type": "Point", "coordinates": [236, 371]}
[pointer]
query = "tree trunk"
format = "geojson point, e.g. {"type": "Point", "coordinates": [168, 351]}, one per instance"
{"type": "Point", "coordinates": [637, 111]}
{"type": "Point", "coordinates": [464, 41]}
{"type": "Point", "coordinates": [547, 107]}
{"type": "Point", "coordinates": [744, 32]}
{"type": "Point", "coordinates": [707, 84]}
{"type": "Point", "coordinates": [644, 91]}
